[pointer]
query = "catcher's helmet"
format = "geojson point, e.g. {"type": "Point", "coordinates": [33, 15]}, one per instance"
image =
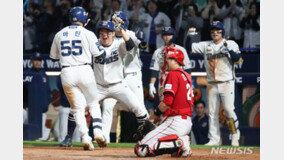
{"type": "Point", "coordinates": [175, 53]}
{"type": "Point", "coordinates": [218, 25]}
{"type": "Point", "coordinates": [106, 24]}
{"type": "Point", "coordinates": [123, 16]}
{"type": "Point", "coordinates": [78, 14]}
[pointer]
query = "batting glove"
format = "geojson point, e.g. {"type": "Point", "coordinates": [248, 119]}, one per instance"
{"type": "Point", "coordinates": [191, 31]}
{"type": "Point", "coordinates": [152, 90]}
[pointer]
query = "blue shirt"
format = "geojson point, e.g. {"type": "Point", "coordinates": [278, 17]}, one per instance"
{"type": "Point", "coordinates": [200, 129]}
{"type": "Point", "coordinates": [36, 82]}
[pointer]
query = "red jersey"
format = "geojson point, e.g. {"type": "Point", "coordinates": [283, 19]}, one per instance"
{"type": "Point", "coordinates": [178, 82]}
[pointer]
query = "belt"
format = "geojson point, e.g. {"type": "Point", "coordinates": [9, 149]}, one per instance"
{"type": "Point", "coordinates": [109, 85]}
{"type": "Point", "coordinates": [214, 82]}
{"type": "Point", "coordinates": [77, 65]}
{"type": "Point", "coordinates": [132, 73]}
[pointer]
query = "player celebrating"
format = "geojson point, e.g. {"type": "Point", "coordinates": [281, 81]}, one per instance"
{"type": "Point", "coordinates": [171, 137]}
{"type": "Point", "coordinates": [168, 34]}
{"type": "Point", "coordinates": [220, 55]}
{"type": "Point", "coordinates": [109, 71]}
{"type": "Point", "coordinates": [74, 46]}
{"type": "Point", "coordinates": [132, 71]}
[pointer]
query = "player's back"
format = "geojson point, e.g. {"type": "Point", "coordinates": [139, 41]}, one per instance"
{"type": "Point", "coordinates": [73, 46]}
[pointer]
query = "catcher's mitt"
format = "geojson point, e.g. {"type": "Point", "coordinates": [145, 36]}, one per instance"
{"type": "Point", "coordinates": [143, 129]}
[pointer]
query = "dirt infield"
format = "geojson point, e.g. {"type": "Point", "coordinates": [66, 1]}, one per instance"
{"type": "Point", "coordinates": [77, 153]}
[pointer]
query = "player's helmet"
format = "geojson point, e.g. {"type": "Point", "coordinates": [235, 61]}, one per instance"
{"type": "Point", "coordinates": [78, 14]}
{"type": "Point", "coordinates": [106, 24]}
{"type": "Point", "coordinates": [218, 25]}
{"type": "Point", "coordinates": [169, 31]}
{"type": "Point", "coordinates": [123, 16]}
{"type": "Point", "coordinates": [175, 53]}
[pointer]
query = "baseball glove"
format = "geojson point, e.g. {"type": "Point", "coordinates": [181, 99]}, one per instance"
{"type": "Point", "coordinates": [117, 24]}
{"type": "Point", "coordinates": [144, 129]}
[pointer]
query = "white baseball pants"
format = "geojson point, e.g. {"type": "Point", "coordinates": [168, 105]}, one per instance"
{"type": "Point", "coordinates": [134, 82]}
{"type": "Point", "coordinates": [80, 86]}
{"type": "Point", "coordinates": [172, 125]}
{"type": "Point", "coordinates": [225, 92]}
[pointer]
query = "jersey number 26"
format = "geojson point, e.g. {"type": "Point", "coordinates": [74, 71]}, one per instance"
{"type": "Point", "coordinates": [75, 48]}
{"type": "Point", "coordinates": [189, 92]}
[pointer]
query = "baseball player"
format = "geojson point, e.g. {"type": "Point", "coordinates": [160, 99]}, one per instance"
{"type": "Point", "coordinates": [220, 55]}
{"type": "Point", "coordinates": [74, 46]}
{"type": "Point", "coordinates": [132, 72]}
{"type": "Point", "coordinates": [65, 120]}
{"type": "Point", "coordinates": [109, 71]}
{"type": "Point", "coordinates": [156, 68]}
{"type": "Point", "coordinates": [171, 137]}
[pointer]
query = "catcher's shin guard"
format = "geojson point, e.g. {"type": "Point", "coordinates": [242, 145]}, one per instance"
{"type": "Point", "coordinates": [143, 150]}
{"type": "Point", "coordinates": [169, 145]}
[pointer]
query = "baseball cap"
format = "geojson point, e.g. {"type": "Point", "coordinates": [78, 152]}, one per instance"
{"type": "Point", "coordinates": [36, 56]}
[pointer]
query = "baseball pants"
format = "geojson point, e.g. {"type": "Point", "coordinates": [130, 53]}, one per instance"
{"type": "Point", "coordinates": [62, 125]}
{"type": "Point", "coordinates": [80, 86]}
{"type": "Point", "coordinates": [224, 92]}
{"type": "Point", "coordinates": [134, 82]}
{"type": "Point", "coordinates": [179, 125]}
{"type": "Point", "coordinates": [121, 92]}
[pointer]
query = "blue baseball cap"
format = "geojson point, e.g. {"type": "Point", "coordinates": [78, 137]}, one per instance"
{"type": "Point", "coordinates": [36, 56]}
{"type": "Point", "coordinates": [106, 24]}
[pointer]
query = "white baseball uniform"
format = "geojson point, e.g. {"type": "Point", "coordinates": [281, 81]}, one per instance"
{"type": "Point", "coordinates": [157, 62]}
{"type": "Point", "coordinates": [133, 78]}
{"type": "Point", "coordinates": [74, 46]}
{"type": "Point", "coordinates": [111, 84]}
{"type": "Point", "coordinates": [221, 83]}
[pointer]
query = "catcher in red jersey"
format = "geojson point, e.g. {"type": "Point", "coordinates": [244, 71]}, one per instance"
{"type": "Point", "coordinates": [171, 137]}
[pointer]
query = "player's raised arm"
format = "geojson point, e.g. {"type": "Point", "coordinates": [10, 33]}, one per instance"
{"type": "Point", "coordinates": [119, 28]}
{"type": "Point", "coordinates": [195, 47]}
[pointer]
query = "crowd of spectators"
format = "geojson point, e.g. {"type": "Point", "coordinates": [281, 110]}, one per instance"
{"type": "Point", "coordinates": [241, 19]}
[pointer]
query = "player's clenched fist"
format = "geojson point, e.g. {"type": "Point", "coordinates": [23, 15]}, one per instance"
{"type": "Point", "coordinates": [191, 31]}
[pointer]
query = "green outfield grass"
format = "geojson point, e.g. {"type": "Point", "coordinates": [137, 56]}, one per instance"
{"type": "Point", "coordinates": [122, 145]}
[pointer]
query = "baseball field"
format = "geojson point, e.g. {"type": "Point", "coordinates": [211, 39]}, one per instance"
{"type": "Point", "coordinates": [34, 150]}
